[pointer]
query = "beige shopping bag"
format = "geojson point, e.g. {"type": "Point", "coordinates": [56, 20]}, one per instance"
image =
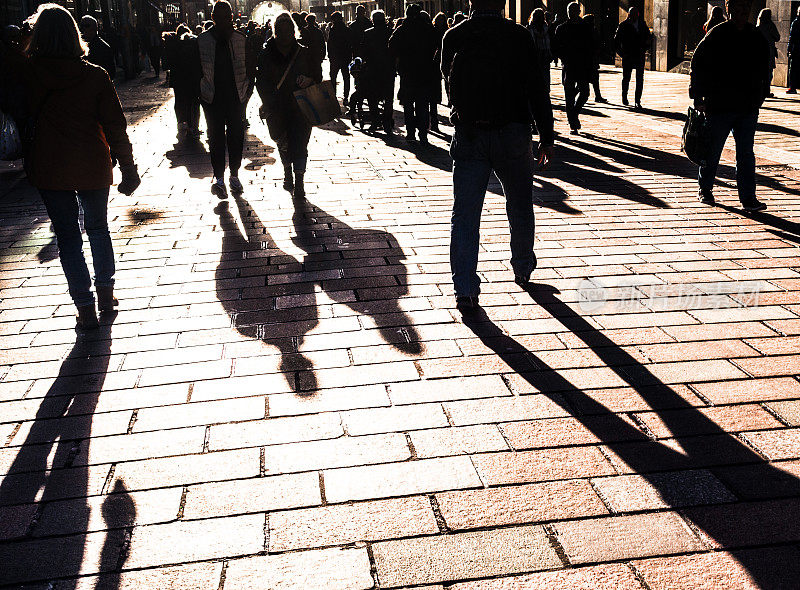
{"type": "Point", "coordinates": [318, 103]}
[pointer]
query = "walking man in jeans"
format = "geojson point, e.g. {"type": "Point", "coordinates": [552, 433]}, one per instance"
{"type": "Point", "coordinates": [728, 81]}
{"type": "Point", "coordinates": [223, 93]}
{"type": "Point", "coordinates": [492, 100]}
{"type": "Point", "coordinates": [573, 45]}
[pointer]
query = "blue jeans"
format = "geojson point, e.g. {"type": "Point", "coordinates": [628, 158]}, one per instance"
{"type": "Point", "coordinates": [62, 207]}
{"type": "Point", "coordinates": [743, 126]}
{"type": "Point", "coordinates": [476, 152]}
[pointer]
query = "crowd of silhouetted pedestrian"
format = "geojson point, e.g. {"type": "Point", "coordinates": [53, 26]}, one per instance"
{"type": "Point", "coordinates": [57, 83]}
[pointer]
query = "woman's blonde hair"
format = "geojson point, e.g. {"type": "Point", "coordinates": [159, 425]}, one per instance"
{"type": "Point", "coordinates": [55, 34]}
{"type": "Point", "coordinates": [288, 17]}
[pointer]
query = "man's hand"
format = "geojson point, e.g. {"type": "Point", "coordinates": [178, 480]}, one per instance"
{"type": "Point", "coordinates": [545, 155]}
{"type": "Point", "coordinates": [130, 180]}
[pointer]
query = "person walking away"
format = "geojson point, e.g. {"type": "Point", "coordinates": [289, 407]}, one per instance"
{"type": "Point", "coordinates": [223, 93]}
{"type": "Point", "coordinates": [539, 30]}
{"type": "Point", "coordinates": [596, 46]}
{"type": "Point", "coordinates": [357, 27]}
{"type": "Point", "coordinates": [313, 39]}
{"type": "Point", "coordinates": [340, 52]}
{"type": "Point", "coordinates": [492, 101]}
{"type": "Point", "coordinates": [794, 55]}
{"type": "Point", "coordinates": [573, 45]}
{"type": "Point", "coordinates": [100, 53]}
{"type": "Point", "coordinates": [717, 16]}
{"type": "Point", "coordinates": [185, 79]}
{"type": "Point", "coordinates": [439, 29]}
{"type": "Point", "coordinates": [412, 45]}
{"type": "Point", "coordinates": [154, 49]}
{"type": "Point", "coordinates": [727, 80]}
{"type": "Point", "coordinates": [284, 65]}
{"type": "Point", "coordinates": [378, 73]}
{"type": "Point", "coordinates": [79, 131]}
{"type": "Point", "coordinates": [767, 28]}
{"type": "Point", "coordinates": [631, 43]}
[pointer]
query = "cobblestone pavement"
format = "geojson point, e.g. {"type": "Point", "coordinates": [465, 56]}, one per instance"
{"type": "Point", "coordinates": [288, 399]}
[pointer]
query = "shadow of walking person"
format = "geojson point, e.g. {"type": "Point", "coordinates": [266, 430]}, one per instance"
{"type": "Point", "coordinates": [754, 521]}
{"type": "Point", "coordinates": [331, 244]}
{"type": "Point", "coordinates": [246, 261]}
{"type": "Point", "coordinates": [50, 466]}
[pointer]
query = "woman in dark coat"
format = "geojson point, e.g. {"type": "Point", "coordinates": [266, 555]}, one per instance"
{"type": "Point", "coordinates": [79, 128]}
{"type": "Point", "coordinates": [284, 65]}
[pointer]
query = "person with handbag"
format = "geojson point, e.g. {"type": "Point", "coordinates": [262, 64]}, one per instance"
{"type": "Point", "coordinates": [728, 82]}
{"type": "Point", "coordinates": [78, 130]}
{"type": "Point", "coordinates": [284, 65]}
{"type": "Point", "coordinates": [223, 95]}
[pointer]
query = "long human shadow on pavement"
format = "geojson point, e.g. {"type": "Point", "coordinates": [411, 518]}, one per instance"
{"type": "Point", "coordinates": [662, 162]}
{"type": "Point", "coordinates": [255, 255]}
{"type": "Point", "coordinates": [194, 156]}
{"type": "Point", "coordinates": [320, 234]}
{"type": "Point", "coordinates": [647, 457]}
{"type": "Point", "coordinates": [32, 491]}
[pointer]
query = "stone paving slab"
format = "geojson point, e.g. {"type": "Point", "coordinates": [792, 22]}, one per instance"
{"type": "Point", "coordinates": [287, 397]}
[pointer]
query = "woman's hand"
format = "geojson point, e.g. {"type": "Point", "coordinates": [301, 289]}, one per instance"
{"type": "Point", "coordinates": [304, 81]}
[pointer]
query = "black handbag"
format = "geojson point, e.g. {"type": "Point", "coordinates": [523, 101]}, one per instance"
{"type": "Point", "coordinates": [695, 140]}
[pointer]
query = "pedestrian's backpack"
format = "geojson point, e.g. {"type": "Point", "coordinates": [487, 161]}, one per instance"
{"type": "Point", "coordinates": [695, 143]}
{"type": "Point", "coordinates": [10, 138]}
{"type": "Point", "coordinates": [479, 83]}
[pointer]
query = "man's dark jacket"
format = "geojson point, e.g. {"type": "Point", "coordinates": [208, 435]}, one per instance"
{"type": "Point", "coordinates": [630, 44]}
{"type": "Point", "coordinates": [524, 97]}
{"type": "Point", "coordinates": [100, 54]}
{"type": "Point", "coordinates": [378, 63]}
{"type": "Point", "coordinates": [414, 45]}
{"type": "Point", "coordinates": [730, 69]}
{"type": "Point", "coordinates": [573, 45]}
{"type": "Point", "coordinates": [312, 37]}
{"type": "Point", "coordinates": [340, 49]}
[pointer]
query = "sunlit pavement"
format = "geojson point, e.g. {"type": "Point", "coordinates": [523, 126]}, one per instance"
{"type": "Point", "coordinates": [287, 397]}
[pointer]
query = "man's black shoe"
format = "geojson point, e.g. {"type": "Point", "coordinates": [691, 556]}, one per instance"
{"type": "Point", "coordinates": [754, 206]}
{"type": "Point", "coordinates": [466, 304]}
{"type": "Point", "coordinates": [522, 281]}
{"type": "Point", "coordinates": [707, 198]}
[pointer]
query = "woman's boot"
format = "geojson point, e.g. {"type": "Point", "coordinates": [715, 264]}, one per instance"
{"type": "Point", "coordinates": [105, 299]}
{"type": "Point", "coordinates": [288, 182]}
{"type": "Point", "coordinates": [86, 318]}
{"type": "Point", "coordinates": [299, 187]}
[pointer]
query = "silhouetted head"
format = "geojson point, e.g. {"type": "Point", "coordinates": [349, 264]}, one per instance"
{"type": "Point", "coordinates": [284, 28]}
{"type": "Point", "coordinates": [738, 12]}
{"type": "Point", "coordinates": [537, 18]}
{"type": "Point", "coordinates": [222, 15]}
{"type": "Point", "coordinates": [634, 13]}
{"type": "Point", "coordinates": [55, 34]}
{"type": "Point", "coordinates": [573, 11]}
{"type": "Point", "coordinates": [336, 17]}
{"type": "Point", "coordinates": [764, 16]}
{"type": "Point", "coordinates": [88, 27]}
{"type": "Point", "coordinates": [311, 20]}
{"type": "Point", "coordinates": [378, 18]}
{"type": "Point", "coordinates": [361, 11]}
{"type": "Point", "coordinates": [412, 11]}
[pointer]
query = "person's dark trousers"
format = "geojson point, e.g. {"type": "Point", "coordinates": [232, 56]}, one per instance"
{"type": "Point", "coordinates": [576, 93]}
{"type": "Point", "coordinates": [155, 60]}
{"type": "Point", "coordinates": [225, 126]}
{"type": "Point", "coordinates": [743, 127]}
{"type": "Point", "coordinates": [794, 71]}
{"type": "Point", "coordinates": [341, 67]}
{"type": "Point", "coordinates": [476, 152]}
{"type": "Point", "coordinates": [62, 207]}
{"type": "Point", "coordinates": [434, 116]}
{"type": "Point", "coordinates": [416, 112]}
{"type": "Point", "coordinates": [628, 65]}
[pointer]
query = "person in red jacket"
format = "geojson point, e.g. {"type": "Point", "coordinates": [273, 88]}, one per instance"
{"type": "Point", "coordinates": [79, 129]}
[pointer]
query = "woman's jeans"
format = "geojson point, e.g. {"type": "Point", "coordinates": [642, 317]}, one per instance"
{"type": "Point", "coordinates": [62, 207]}
{"type": "Point", "coordinates": [476, 153]}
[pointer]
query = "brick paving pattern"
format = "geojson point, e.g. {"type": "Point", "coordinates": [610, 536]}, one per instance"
{"type": "Point", "coordinates": [287, 397]}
